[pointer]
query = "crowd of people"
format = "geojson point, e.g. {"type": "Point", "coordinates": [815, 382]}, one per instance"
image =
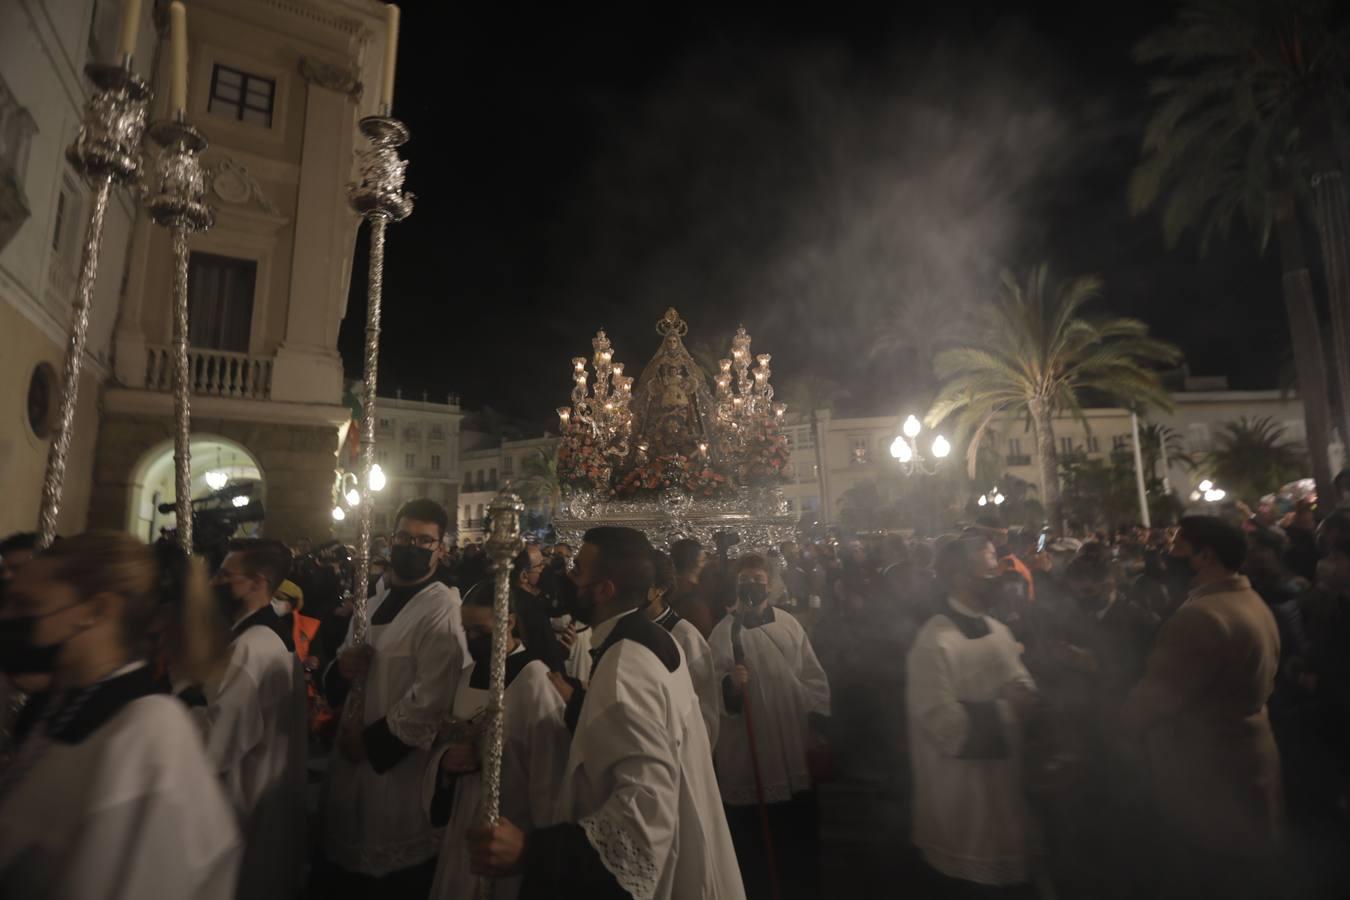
{"type": "Point", "coordinates": [1151, 713]}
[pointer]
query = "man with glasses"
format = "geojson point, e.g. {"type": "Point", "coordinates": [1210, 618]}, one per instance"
{"type": "Point", "coordinates": [378, 838]}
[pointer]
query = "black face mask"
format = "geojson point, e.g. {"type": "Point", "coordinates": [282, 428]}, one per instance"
{"type": "Point", "coordinates": [226, 601]}
{"type": "Point", "coordinates": [19, 655]}
{"type": "Point", "coordinates": [410, 564]}
{"type": "Point", "coordinates": [752, 593]}
{"type": "Point", "coordinates": [577, 602]}
{"type": "Point", "coordinates": [1178, 567]}
{"type": "Point", "coordinates": [480, 649]}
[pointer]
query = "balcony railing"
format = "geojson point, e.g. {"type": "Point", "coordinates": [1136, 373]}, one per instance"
{"type": "Point", "coordinates": [214, 373]}
{"type": "Point", "coordinates": [1018, 459]}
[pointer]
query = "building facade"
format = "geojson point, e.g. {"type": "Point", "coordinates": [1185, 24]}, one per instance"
{"type": "Point", "coordinates": [277, 86]}
{"type": "Point", "coordinates": [487, 469]}
{"type": "Point", "coordinates": [417, 448]}
{"type": "Point", "coordinates": [836, 455]}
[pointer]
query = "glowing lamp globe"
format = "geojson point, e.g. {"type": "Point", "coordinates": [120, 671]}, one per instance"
{"type": "Point", "coordinates": [901, 450]}
{"type": "Point", "coordinates": [377, 479]}
{"type": "Point", "coordinates": [216, 479]}
{"type": "Point", "coordinates": [941, 447]}
{"type": "Point", "coordinates": [338, 514]}
{"type": "Point", "coordinates": [353, 497]}
{"type": "Point", "coordinates": [911, 427]}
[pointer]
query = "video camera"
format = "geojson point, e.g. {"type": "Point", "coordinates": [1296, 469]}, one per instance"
{"type": "Point", "coordinates": [217, 516]}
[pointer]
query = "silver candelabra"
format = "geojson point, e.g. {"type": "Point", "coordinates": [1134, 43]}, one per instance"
{"type": "Point", "coordinates": [107, 152]}
{"type": "Point", "coordinates": [502, 546]}
{"type": "Point", "coordinates": [380, 199]}
{"type": "Point", "coordinates": [176, 199]}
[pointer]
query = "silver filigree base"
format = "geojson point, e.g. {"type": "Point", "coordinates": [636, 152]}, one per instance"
{"type": "Point", "coordinates": [759, 515]}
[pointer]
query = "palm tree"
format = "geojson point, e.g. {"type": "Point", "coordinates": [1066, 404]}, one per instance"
{"type": "Point", "coordinates": [1230, 136]}
{"type": "Point", "coordinates": [1036, 357]}
{"type": "Point", "coordinates": [538, 483]}
{"type": "Point", "coordinates": [1159, 442]}
{"type": "Point", "coordinates": [1252, 458]}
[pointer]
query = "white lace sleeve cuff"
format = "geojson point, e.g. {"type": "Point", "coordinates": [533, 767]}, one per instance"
{"type": "Point", "coordinates": [632, 866]}
{"type": "Point", "coordinates": [412, 730]}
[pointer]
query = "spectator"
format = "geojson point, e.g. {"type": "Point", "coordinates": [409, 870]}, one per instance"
{"type": "Point", "coordinates": [1201, 711]}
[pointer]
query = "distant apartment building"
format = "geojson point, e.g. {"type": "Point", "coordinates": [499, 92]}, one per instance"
{"type": "Point", "coordinates": [836, 454]}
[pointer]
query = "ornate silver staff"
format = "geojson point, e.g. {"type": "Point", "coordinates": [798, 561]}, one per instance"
{"type": "Point", "coordinates": [380, 199]}
{"type": "Point", "coordinates": [176, 200]}
{"type": "Point", "coordinates": [502, 546]}
{"type": "Point", "coordinates": [106, 152]}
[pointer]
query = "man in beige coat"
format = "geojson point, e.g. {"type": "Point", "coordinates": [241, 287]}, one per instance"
{"type": "Point", "coordinates": [1201, 712]}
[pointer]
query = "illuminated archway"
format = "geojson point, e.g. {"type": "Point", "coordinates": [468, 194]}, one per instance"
{"type": "Point", "coordinates": [218, 464]}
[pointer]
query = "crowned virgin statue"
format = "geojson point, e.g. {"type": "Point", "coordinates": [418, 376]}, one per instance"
{"type": "Point", "coordinates": [672, 404]}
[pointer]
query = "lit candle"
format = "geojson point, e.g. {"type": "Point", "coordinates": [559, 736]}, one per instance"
{"type": "Point", "coordinates": [564, 416]}
{"type": "Point", "coordinates": [178, 44]}
{"type": "Point", "coordinates": [390, 56]}
{"type": "Point", "coordinates": [618, 370]}
{"type": "Point", "coordinates": [702, 449]}
{"type": "Point", "coordinates": [131, 29]}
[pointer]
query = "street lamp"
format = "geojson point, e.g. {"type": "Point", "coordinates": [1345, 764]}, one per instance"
{"type": "Point", "coordinates": [1207, 491]}
{"type": "Point", "coordinates": [994, 496]}
{"type": "Point", "coordinates": [347, 490]}
{"type": "Point", "coordinates": [906, 449]}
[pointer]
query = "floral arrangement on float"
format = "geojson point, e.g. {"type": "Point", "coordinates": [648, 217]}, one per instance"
{"type": "Point", "coordinates": [766, 460]}
{"type": "Point", "coordinates": [673, 472]}
{"type": "Point", "coordinates": [582, 464]}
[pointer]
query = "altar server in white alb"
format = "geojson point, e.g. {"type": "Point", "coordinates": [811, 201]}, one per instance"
{"type": "Point", "coordinates": [967, 695]}
{"type": "Point", "coordinates": [377, 833]}
{"type": "Point", "coordinates": [110, 793]}
{"type": "Point", "coordinates": [765, 662]}
{"type": "Point", "coordinates": [638, 815]}
{"type": "Point", "coordinates": [254, 719]}
{"type": "Point", "coordinates": [534, 751]}
{"type": "Point", "coordinates": [697, 654]}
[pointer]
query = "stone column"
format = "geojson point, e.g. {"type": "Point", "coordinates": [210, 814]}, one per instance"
{"type": "Point", "coordinates": [308, 368]}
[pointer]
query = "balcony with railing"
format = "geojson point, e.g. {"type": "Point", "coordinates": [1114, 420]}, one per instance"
{"type": "Point", "coordinates": [212, 373]}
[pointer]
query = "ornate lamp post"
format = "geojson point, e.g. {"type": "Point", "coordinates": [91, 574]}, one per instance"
{"type": "Point", "coordinates": [994, 496]}
{"type": "Point", "coordinates": [906, 449]}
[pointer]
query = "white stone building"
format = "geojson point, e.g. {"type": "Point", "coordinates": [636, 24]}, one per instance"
{"type": "Point", "coordinates": [487, 468]}
{"type": "Point", "coordinates": [417, 448]}
{"type": "Point", "coordinates": [857, 449]}
{"type": "Point", "coordinates": [277, 86]}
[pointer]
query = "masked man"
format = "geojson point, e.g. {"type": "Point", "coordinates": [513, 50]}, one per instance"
{"type": "Point", "coordinates": [255, 719]}
{"type": "Point", "coordinates": [378, 837]}
{"type": "Point", "coordinates": [775, 689]}
{"type": "Point", "coordinates": [1201, 712]}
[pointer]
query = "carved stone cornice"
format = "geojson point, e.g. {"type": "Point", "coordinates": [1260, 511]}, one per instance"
{"type": "Point", "coordinates": [343, 79]}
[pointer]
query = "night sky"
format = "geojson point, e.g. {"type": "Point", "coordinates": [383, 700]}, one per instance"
{"type": "Point", "coordinates": [846, 181]}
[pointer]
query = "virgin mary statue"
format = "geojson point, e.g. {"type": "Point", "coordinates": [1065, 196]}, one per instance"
{"type": "Point", "coordinates": [672, 405]}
